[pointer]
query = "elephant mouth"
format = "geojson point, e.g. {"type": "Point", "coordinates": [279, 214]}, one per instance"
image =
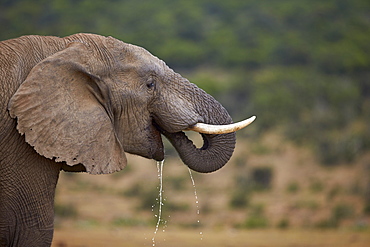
{"type": "Point", "coordinates": [203, 129]}
{"type": "Point", "coordinates": [156, 148]}
{"type": "Point", "coordinates": [160, 131]}
{"type": "Point", "coordinates": [172, 135]}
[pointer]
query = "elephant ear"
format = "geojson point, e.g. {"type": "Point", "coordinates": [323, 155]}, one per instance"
{"type": "Point", "coordinates": [63, 112]}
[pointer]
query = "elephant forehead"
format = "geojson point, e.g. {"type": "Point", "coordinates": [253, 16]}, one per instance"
{"type": "Point", "coordinates": [144, 58]}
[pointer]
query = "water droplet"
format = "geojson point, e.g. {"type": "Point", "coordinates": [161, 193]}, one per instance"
{"type": "Point", "coordinates": [196, 198]}
{"type": "Point", "coordinates": [160, 199]}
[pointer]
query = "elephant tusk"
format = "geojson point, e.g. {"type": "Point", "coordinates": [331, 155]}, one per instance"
{"type": "Point", "coordinates": [221, 129]}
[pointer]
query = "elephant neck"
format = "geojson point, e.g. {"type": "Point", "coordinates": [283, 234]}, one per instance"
{"type": "Point", "coordinates": [25, 52]}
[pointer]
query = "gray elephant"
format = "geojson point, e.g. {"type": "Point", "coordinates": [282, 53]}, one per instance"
{"type": "Point", "coordinates": [78, 104]}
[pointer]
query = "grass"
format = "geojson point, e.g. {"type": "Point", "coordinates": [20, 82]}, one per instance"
{"type": "Point", "coordinates": [227, 238]}
{"type": "Point", "coordinates": [299, 194]}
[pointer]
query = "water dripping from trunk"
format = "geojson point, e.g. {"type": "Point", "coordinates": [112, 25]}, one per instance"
{"type": "Point", "coordinates": [196, 201]}
{"type": "Point", "coordinates": [160, 199]}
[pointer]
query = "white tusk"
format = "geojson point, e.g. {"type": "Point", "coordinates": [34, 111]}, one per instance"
{"type": "Point", "coordinates": [221, 129]}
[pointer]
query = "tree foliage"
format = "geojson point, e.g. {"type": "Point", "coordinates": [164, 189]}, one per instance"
{"type": "Point", "coordinates": [302, 64]}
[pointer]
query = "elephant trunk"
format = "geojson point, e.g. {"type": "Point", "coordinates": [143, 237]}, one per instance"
{"type": "Point", "coordinates": [214, 154]}
{"type": "Point", "coordinates": [217, 148]}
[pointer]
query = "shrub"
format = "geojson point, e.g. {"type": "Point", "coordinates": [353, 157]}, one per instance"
{"type": "Point", "coordinates": [176, 183]}
{"type": "Point", "coordinates": [261, 178]}
{"type": "Point", "coordinates": [256, 221]}
{"type": "Point", "coordinates": [293, 187]}
{"type": "Point", "coordinates": [316, 186]}
{"type": "Point", "coordinates": [334, 192]}
{"type": "Point", "coordinates": [65, 210]}
{"type": "Point", "coordinates": [256, 218]}
{"type": "Point", "coordinates": [332, 150]}
{"type": "Point", "coordinates": [342, 211]}
{"type": "Point", "coordinates": [367, 208]}
{"type": "Point", "coordinates": [327, 223]}
{"type": "Point", "coordinates": [283, 224]}
{"type": "Point", "coordinates": [148, 198]}
{"type": "Point", "coordinates": [239, 199]}
{"type": "Point", "coordinates": [176, 207]}
{"type": "Point", "coordinates": [339, 213]}
{"type": "Point", "coordinates": [133, 191]}
{"type": "Point", "coordinates": [127, 221]}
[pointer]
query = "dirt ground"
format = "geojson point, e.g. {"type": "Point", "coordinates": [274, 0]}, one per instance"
{"type": "Point", "coordinates": [226, 238]}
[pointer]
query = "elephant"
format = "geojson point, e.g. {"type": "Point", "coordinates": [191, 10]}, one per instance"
{"type": "Point", "coordinates": [77, 104]}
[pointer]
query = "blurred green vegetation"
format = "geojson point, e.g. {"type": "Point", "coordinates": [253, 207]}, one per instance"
{"type": "Point", "coordinates": [65, 210]}
{"type": "Point", "coordinates": [301, 66]}
{"type": "Point", "coordinates": [339, 212]}
{"type": "Point", "coordinates": [256, 218]}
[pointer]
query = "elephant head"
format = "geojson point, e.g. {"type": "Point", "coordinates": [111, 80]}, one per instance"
{"type": "Point", "coordinates": [98, 97]}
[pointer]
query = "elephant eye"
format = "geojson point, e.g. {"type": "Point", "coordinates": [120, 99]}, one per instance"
{"type": "Point", "coordinates": [151, 84]}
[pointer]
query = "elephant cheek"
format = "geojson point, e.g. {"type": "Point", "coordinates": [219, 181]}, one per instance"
{"type": "Point", "coordinates": [147, 144]}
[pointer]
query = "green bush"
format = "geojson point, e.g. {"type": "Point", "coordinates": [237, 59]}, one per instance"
{"type": "Point", "coordinates": [293, 187]}
{"type": "Point", "coordinates": [339, 213]}
{"type": "Point", "coordinates": [334, 192]}
{"type": "Point", "coordinates": [327, 223]}
{"type": "Point", "coordinates": [148, 199]}
{"type": "Point", "coordinates": [241, 193]}
{"type": "Point", "coordinates": [316, 186]}
{"type": "Point", "coordinates": [256, 221]}
{"type": "Point", "coordinates": [256, 217]}
{"type": "Point", "coordinates": [65, 210]}
{"type": "Point", "coordinates": [239, 199]}
{"type": "Point", "coordinates": [262, 178]}
{"type": "Point", "coordinates": [134, 191]}
{"type": "Point", "coordinates": [344, 148]}
{"type": "Point", "coordinates": [367, 208]}
{"type": "Point", "coordinates": [176, 183]}
{"type": "Point", "coordinates": [283, 224]}
{"type": "Point", "coordinates": [176, 206]}
{"type": "Point", "coordinates": [127, 221]}
{"type": "Point", "coordinates": [342, 211]}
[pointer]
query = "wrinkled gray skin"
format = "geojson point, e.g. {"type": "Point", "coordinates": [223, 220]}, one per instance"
{"type": "Point", "coordinates": [77, 104]}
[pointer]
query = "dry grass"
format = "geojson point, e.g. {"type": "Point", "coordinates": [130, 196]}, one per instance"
{"type": "Point", "coordinates": [324, 211]}
{"type": "Point", "coordinates": [181, 238]}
